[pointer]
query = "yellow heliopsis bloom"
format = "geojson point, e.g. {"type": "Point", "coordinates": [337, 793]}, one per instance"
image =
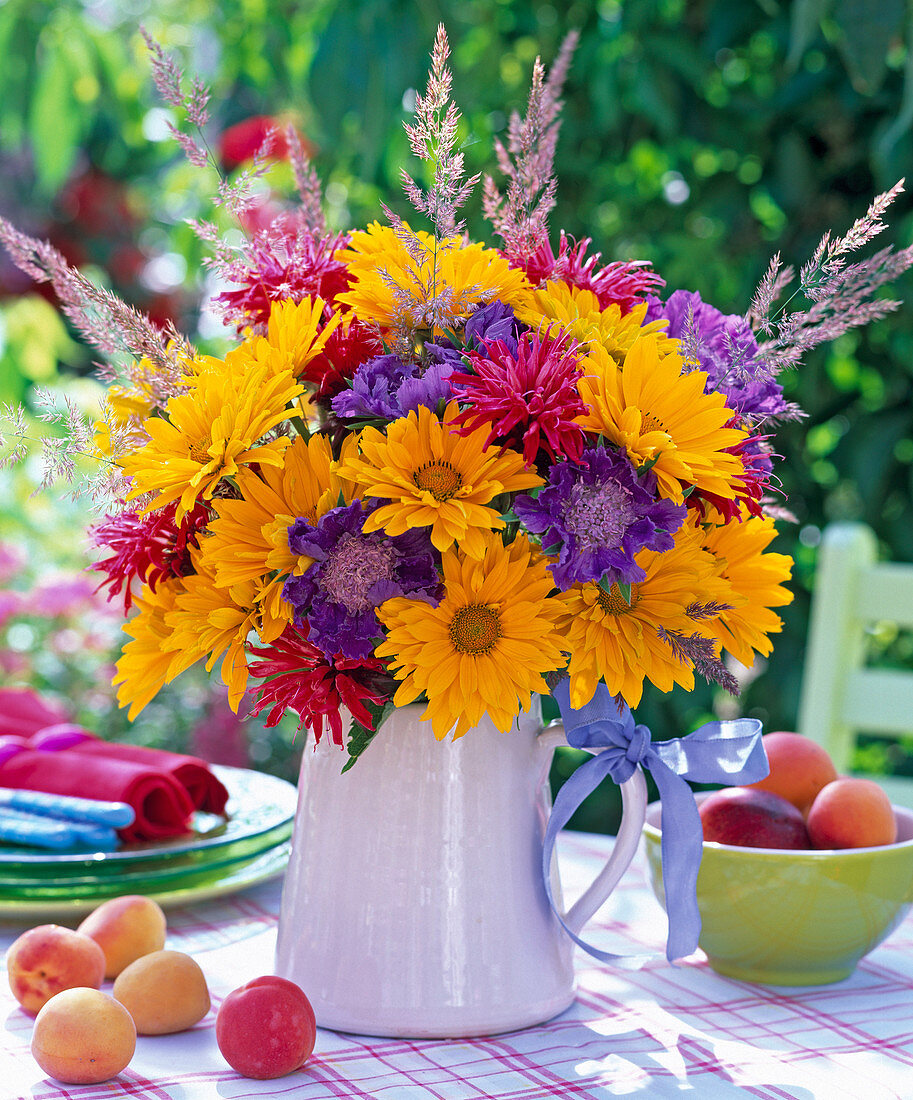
{"type": "Point", "coordinates": [145, 665]}
{"type": "Point", "coordinates": [662, 417]}
{"type": "Point", "coordinates": [214, 621]}
{"type": "Point", "coordinates": [577, 310]}
{"type": "Point", "coordinates": [757, 580]}
{"type": "Point", "coordinates": [385, 276]}
{"type": "Point", "coordinates": [211, 432]}
{"type": "Point", "coordinates": [435, 478]}
{"type": "Point", "coordinates": [296, 334]}
{"type": "Point", "coordinates": [249, 536]}
{"type": "Point", "coordinates": [610, 639]}
{"type": "Point", "coordinates": [485, 646]}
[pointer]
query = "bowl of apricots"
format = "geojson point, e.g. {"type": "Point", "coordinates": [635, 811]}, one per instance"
{"type": "Point", "coordinates": [802, 873]}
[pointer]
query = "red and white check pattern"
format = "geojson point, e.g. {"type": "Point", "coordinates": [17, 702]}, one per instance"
{"type": "Point", "coordinates": [655, 1032]}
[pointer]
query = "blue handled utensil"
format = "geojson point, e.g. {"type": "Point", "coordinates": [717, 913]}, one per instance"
{"type": "Point", "coordinates": [68, 807]}
{"type": "Point", "coordinates": [37, 831]}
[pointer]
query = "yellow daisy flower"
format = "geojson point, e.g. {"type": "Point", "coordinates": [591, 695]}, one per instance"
{"type": "Point", "coordinates": [485, 646]}
{"type": "Point", "coordinates": [757, 580]}
{"type": "Point", "coordinates": [385, 275]}
{"type": "Point", "coordinates": [145, 665]}
{"type": "Point", "coordinates": [215, 621]}
{"type": "Point", "coordinates": [435, 478]}
{"type": "Point", "coordinates": [610, 639]}
{"type": "Point", "coordinates": [663, 418]}
{"type": "Point", "coordinates": [577, 311]}
{"type": "Point", "coordinates": [210, 432]}
{"type": "Point", "coordinates": [249, 536]}
{"type": "Point", "coordinates": [298, 332]}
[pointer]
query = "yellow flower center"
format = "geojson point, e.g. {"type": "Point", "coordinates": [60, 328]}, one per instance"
{"type": "Point", "coordinates": [439, 478]}
{"type": "Point", "coordinates": [475, 629]}
{"type": "Point", "coordinates": [613, 603]}
{"type": "Point", "coordinates": [199, 451]}
{"type": "Point", "coordinates": [651, 424]}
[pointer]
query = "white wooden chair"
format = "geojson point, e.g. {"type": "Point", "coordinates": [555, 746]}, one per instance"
{"type": "Point", "coordinates": [840, 696]}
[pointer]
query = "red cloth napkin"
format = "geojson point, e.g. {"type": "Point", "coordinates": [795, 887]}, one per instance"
{"type": "Point", "coordinates": [205, 791]}
{"type": "Point", "coordinates": [162, 805]}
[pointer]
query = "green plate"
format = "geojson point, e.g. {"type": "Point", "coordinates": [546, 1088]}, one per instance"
{"type": "Point", "coordinates": [267, 865]}
{"type": "Point", "coordinates": [258, 817]}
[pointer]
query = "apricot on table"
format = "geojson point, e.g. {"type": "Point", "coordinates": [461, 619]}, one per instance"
{"type": "Point", "coordinates": [48, 959]}
{"type": "Point", "coordinates": [852, 813]}
{"type": "Point", "coordinates": [83, 1037]}
{"type": "Point", "coordinates": [126, 928]}
{"type": "Point", "coordinates": [799, 768]}
{"type": "Point", "coordinates": [164, 991]}
{"type": "Point", "coordinates": [266, 1028]}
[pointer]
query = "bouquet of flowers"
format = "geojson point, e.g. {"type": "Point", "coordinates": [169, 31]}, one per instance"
{"type": "Point", "coordinates": [437, 470]}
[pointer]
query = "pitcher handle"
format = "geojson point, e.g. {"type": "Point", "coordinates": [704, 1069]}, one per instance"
{"type": "Point", "coordinates": [633, 816]}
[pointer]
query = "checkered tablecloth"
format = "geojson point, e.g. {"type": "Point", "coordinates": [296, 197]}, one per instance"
{"type": "Point", "coordinates": [655, 1032]}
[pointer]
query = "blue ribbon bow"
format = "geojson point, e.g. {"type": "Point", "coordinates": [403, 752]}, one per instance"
{"type": "Point", "coordinates": [719, 752]}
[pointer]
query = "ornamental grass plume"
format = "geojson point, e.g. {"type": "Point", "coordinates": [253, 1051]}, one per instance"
{"type": "Point", "coordinates": [435, 470]}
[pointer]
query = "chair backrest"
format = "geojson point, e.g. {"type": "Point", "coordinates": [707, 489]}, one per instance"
{"type": "Point", "coordinates": [840, 696]}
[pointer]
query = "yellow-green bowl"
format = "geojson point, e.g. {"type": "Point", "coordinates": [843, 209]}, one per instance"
{"type": "Point", "coordinates": [788, 917]}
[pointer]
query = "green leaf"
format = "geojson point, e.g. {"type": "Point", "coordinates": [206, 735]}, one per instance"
{"type": "Point", "coordinates": [804, 25]}
{"type": "Point", "coordinates": [360, 736]}
{"type": "Point", "coordinates": [868, 30]}
{"type": "Point", "coordinates": [54, 125]}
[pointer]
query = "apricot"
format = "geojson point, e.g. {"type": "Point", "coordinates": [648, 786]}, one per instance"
{"type": "Point", "coordinates": [266, 1029]}
{"type": "Point", "coordinates": [752, 819]}
{"type": "Point", "coordinates": [799, 768]}
{"type": "Point", "coordinates": [852, 813]}
{"type": "Point", "coordinates": [48, 959]}
{"type": "Point", "coordinates": [164, 991]}
{"type": "Point", "coordinates": [82, 1037]}
{"type": "Point", "coordinates": [126, 928]}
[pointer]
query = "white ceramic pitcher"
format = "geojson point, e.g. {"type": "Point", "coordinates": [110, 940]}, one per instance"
{"type": "Point", "coordinates": [413, 903]}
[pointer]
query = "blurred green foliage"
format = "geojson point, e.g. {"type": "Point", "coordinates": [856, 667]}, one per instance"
{"type": "Point", "coordinates": [702, 135]}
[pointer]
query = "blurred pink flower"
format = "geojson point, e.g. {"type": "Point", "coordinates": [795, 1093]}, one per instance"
{"type": "Point", "coordinates": [13, 665]}
{"type": "Point", "coordinates": [220, 736]}
{"type": "Point", "coordinates": [9, 605]}
{"type": "Point", "coordinates": [12, 559]}
{"type": "Point", "coordinates": [24, 711]}
{"type": "Point", "coordinates": [62, 595]}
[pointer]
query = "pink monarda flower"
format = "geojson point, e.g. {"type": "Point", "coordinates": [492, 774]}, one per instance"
{"type": "Point", "coordinates": [529, 398]}
{"type": "Point", "coordinates": [623, 282]}
{"type": "Point", "coordinates": [147, 548]}
{"type": "Point", "coordinates": [299, 677]}
{"type": "Point", "coordinates": [282, 263]}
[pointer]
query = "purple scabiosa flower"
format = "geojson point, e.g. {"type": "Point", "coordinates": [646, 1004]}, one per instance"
{"type": "Point", "coordinates": [597, 517]}
{"type": "Point", "coordinates": [352, 574]}
{"type": "Point", "coordinates": [725, 347]}
{"type": "Point", "coordinates": [388, 388]}
{"type": "Point", "coordinates": [496, 321]}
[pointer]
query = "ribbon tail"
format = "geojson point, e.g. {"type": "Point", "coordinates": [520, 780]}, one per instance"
{"type": "Point", "coordinates": [681, 848]}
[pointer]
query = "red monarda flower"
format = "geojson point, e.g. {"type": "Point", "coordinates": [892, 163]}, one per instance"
{"type": "Point", "coordinates": [348, 347]}
{"type": "Point", "coordinates": [299, 677]}
{"type": "Point", "coordinates": [624, 282]}
{"type": "Point", "coordinates": [149, 548]}
{"type": "Point", "coordinates": [529, 398]}
{"type": "Point", "coordinates": [245, 139]}
{"type": "Point", "coordinates": [751, 486]}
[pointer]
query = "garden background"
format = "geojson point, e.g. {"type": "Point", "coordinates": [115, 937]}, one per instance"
{"type": "Point", "coordinates": [702, 135]}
